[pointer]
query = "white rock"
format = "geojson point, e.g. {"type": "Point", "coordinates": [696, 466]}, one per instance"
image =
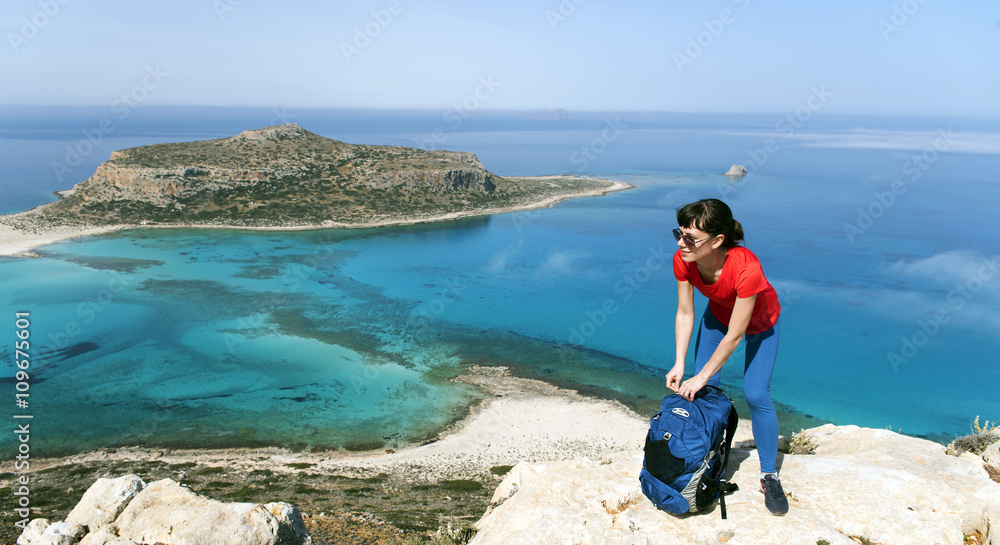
{"type": "Point", "coordinates": [992, 454]}
{"type": "Point", "coordinates": [40, 532]}
{"type": "Point", "coordinates": [291, 527]}
{"type": "Point", "coordinates": [737, 170]}
{"type": "Point", "coordinates": [874, 484]}
{"type": "Point", "coordinates": [105, 536]}
{"type": "Point", "coordinates": [105, 500]}
{"type": "Point", "coordinates": [170, 513]}
{"type": "Point", "coordinates": [33, 532]}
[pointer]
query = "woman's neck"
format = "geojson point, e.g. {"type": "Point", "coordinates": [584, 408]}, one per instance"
{"type": "Point", "coordinates": [711, 264]}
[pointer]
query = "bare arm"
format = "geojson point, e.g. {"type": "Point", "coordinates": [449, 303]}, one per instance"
{"type": "Point", "coordinates": [683, 326]}
{"type": "Point", "coordinates": [738, 323]}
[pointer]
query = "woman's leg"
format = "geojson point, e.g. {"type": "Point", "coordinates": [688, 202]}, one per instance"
{"type": "Point", "coordinates": [710, 334]}
{"type": "Point", "coordinates": [762, 350]}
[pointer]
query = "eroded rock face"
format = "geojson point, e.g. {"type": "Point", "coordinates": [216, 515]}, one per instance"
{"type": "Point", "coordinates": [992, 454]}
{"type": "Point", "coordinates": [166, 512]}
{"type": "Point", "coordinates": [162, 173]}
{"type": "Point", "coordinates": [873, 484]}
{"type": "Point", "coordinates": [40, 532]}
{"type": "Point", "coordinates": [279, 132]}
{"type": "Point", "coordinates": [125, 511]}
{"type": "Point", "coordinates": [162, 186]}
{"type": "Point", "coordinates": [105, 500]}
{"type": "Point", "coordinates": [437, 181]}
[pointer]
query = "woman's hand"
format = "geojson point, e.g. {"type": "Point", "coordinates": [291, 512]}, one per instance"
{"type": "Point", "coordinates": [674, 377]}
{"type": "Point", "coordinates": [691, 387]}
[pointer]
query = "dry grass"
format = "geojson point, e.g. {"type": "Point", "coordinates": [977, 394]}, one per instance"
{"type": "Point", "coordinates": [802, 444]}
{"type": "Point", "coordinates": [977, 442]}
{"type": "Point", "coordinates": [982, 436]}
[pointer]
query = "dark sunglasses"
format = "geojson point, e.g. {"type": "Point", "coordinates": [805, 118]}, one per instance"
{"type": "Point", "coordinates": [688, 239]}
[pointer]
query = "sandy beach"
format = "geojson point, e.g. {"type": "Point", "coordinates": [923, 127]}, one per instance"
{"type": "Point", "coordinates": [377, 497]}
{"type": "Point", "coordinates": [519, 420]}
{"type": "Point", "coordinates": [371, 497]}
{"type": "Point", "coordinates": [16, 243]}
{"type": "Point", "coordinates": [20, 242]}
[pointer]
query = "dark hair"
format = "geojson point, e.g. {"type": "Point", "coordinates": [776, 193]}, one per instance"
{"type": "Point", "coordinates": [712, 216]}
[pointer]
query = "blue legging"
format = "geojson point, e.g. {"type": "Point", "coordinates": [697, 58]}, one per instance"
{"type": "Point", "coordinates": [762, 350]}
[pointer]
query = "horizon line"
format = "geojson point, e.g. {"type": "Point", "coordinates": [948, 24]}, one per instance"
{"type": "Point", "coordinates": [437, 110]}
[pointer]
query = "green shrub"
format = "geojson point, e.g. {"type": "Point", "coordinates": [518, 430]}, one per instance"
{"type": "Point", "coordinates": [300, 488]}
{"type": "Point", "coordinates": [461, 485]}
{"type": "Point", "coordinates": [977, 441]}
{"type": "Point", "coordinates": [358, 491]}
{"type": "Point", "coordinates": [245, 494]}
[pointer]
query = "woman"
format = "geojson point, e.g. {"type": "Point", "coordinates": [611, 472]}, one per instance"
{"type": "Point", "coordinates": [741, 303]}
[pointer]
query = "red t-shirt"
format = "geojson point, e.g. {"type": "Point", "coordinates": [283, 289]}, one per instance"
{"type": "Point", "coordinates": [741, 277]}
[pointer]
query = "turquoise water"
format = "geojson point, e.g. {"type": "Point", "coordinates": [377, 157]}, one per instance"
{"type": "Point", "coordinates": [346, 338]}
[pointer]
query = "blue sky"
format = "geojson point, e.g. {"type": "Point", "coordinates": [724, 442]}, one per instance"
{"type": "Point", "coordinates": [865, 56]}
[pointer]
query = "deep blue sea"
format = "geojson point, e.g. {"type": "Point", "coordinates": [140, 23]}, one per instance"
{"type": "Point", "coordinates": [880, 235]}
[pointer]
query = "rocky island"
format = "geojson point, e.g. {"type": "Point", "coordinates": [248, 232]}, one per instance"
{"type": "Point", "coordinates": [287, 177]}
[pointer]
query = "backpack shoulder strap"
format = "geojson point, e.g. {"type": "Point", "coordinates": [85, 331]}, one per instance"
{"type": "Point", "coordinates": [727, 443]}
{"type": "Point", "coordinates": [726, 487]}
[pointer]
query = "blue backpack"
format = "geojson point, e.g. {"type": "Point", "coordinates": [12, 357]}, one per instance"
{"type": "Point", "coordinates": [687, 448]}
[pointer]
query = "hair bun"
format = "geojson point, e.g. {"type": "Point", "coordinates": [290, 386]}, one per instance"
{"type": "Point", "coordinates": [713, 217]}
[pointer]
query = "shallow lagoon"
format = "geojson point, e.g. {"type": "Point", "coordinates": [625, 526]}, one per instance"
{"type": "Point", "coordinates": [346, 338]}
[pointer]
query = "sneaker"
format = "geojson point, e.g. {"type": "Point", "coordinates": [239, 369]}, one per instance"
{"type": "Point", "coordinates": [774, 496]}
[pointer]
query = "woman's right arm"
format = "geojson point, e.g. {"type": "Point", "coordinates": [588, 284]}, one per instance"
{"type": "Point", "coordinates": [683, 327]}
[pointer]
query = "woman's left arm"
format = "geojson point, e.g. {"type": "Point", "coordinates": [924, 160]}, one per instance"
{"type": "Point", "coordinates": [738, 323]}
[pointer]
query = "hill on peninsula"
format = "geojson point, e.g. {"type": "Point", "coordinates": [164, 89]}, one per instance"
{"type": "Point", "coordinates": [287, 176]}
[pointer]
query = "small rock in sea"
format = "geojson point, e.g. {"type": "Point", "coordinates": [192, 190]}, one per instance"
{"type": "Point", "coordinates": [737, 171]}
{"type": "Point", "coordinates": [27, 254]}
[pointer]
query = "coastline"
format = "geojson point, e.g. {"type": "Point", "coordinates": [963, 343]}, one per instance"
{"type": "Point", "coordinates": [15, 243]}
{"type": "Point", "coordinates": [519, 419]}
{"type": "Point", "coordinates": [374, 496]}
{"type": "Point", "coordinates": [18, 243]}
{"type": "Point", "coordinates": [440, 487]}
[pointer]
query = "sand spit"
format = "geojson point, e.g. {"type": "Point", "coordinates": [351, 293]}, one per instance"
{"type": "Point", "coordinates": [34, 231]}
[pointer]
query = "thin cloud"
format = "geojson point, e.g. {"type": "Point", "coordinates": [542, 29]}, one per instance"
{"type": "Point", "coordinates": [563, 262]}
{"type": "Point", "coordinates": [952, 267]}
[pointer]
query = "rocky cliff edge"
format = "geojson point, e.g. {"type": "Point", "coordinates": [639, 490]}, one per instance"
{"type": "Point", "coordinates": [861, 486]}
